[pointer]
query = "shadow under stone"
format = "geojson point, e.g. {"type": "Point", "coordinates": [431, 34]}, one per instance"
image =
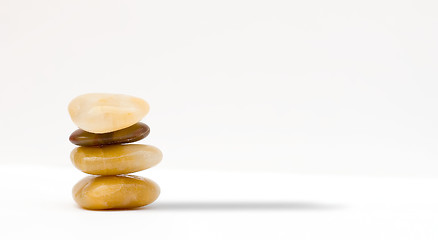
{"type": "Point", "coordinates": [238, 206]}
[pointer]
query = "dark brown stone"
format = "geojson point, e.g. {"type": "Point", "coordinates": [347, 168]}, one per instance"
{"type": "Point", "coordinates": [130, 134]}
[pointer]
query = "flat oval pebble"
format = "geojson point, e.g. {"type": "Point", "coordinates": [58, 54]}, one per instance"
{"type": "Point", "coordinates": [115, 192]}
{"type": "Point", "coordinates": [133, 133]}
{"type": "Point", "coordinates": [115, 159]}
{"type": "Point", "coordinates": [103, 112]}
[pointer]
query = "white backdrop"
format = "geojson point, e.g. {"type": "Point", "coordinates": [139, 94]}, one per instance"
{"type": "Point", "coordinates": [338, 87]}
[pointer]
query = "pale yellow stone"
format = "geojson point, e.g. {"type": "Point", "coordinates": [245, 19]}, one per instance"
{"type": "Point", "coordinates": [115, 159]}
{"type": "Point", "coordinates": [103, 112]}
{"type": "Point", "coordinates": [115, 192]}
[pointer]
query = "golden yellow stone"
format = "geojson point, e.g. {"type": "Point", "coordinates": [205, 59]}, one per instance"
{"type": "Point", "coordinates": [103, 112]}
{"type": "Point", "coordinates": [115, 192]}
{"type": "Point", "coordinates": [115, 159]}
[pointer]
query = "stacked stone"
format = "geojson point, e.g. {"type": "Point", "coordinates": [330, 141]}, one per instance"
{"type": "Point", "coordinates": [106, 123]}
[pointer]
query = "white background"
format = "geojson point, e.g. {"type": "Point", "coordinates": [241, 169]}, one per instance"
{"type": "Point", "coordinates": [260, 91]}
{"type": "Point", "coordinates": [300, 86]}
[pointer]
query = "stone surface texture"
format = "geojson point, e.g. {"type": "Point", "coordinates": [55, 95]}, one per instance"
{"type": "Point", "coordinates": [115, 159]}
{"type": "Point", "coordinates": [103, 112]}
{"type": "Point", "coordinates": [115, 192]}
{"type": "Point", "coordinates": [130, 134]}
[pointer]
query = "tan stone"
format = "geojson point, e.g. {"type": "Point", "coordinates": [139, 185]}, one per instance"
{"type": "Point", "coordinates": [115, 192]}
{"type": "Point", "coordinates": [115, 159]}
{"type": "Point", "coordinates": [103, 112]}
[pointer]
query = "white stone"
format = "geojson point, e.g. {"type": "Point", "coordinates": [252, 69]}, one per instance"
{"type": "Point", "coordinates": [103, 112]}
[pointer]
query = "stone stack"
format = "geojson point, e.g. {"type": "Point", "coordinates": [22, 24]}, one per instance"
{"type": "Point", "coordinates": [107, 122]}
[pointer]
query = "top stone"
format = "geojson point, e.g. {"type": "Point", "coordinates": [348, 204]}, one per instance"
{"type": "Point", "coordinates": [103, 112]}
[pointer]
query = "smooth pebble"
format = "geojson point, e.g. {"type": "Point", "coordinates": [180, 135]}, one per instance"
{"type": "Point", "coordinates": [133, 133]}
{"type": "Point", "coordinates": [115, 192]}
{"type": "Point", "coordinates": [103, 112]}
{"type": "Point", "coordinates": [115, 159]}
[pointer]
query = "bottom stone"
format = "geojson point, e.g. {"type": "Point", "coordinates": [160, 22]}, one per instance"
{"type": "Point", "coordinates": [115, 192]}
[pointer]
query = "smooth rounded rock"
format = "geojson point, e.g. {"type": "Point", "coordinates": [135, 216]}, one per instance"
{"type": "Point", "coordinates": [133, 133]}
{"type": "Point", "coordinates": [115, 192]}
{"type": "Point", "coordinates": [115, 159]}
{"type": "Point", "coordinates": [103, 112]}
